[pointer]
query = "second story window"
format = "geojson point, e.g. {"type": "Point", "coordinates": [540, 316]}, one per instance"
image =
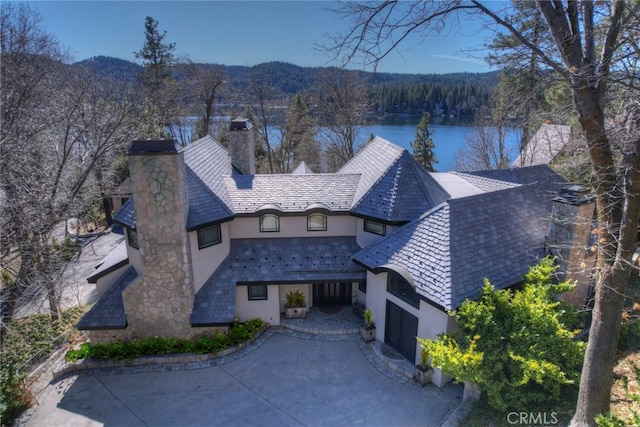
{"type": "Point", "coordinates": [317, 222]}
{"type": "Point", "coordinates": [269, 223]}
{"type": "Point", "coordinates": [375, 227]}
{"type": "Point", "coordinates": [209, 236]}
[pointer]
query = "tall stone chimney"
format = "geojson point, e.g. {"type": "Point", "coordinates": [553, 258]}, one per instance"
{"type": "Point", "coordinates": [570, 240]}
{"type": "Point", "coordinates": [161, 301]}
{"type": "Point", "coordinates": [242, 146]}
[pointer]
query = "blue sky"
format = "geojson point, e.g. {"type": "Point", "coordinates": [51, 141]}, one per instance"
{"type": "Point", "coordinates": [241, 33]}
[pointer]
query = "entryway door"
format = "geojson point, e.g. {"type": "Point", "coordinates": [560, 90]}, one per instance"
{"type": "Point", "coordinates": [401, 330]}
{"type": "Point", "coordinates": [328, 294]}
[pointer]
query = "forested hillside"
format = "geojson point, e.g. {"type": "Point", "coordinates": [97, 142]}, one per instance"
{"type": "Point", "coordinates": [458, 93]}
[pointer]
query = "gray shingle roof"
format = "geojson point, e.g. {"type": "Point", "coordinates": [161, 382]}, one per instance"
{"type": "Point", "coordinates": [372, 161]}
{"type": "Point", "coordinates": [114, 260]}
{"type": "Point", "coordinates": [205, 206]}
{"type": "Point", "coordinates": [451, 249]}
{"type": "Point", "coordinates": [393, 187]}
{"type": "Point", "coordinates": [302, 169]}
{"type": "Point", "coordinates": [382, 181]}
{"type": "Point", "coordinates": [209, 161]}
{"type": "Point", "coordinates": [485, 184]}
{"type": "Point", "coordinates": [294, 260]}
{"type": "Point", "coordinates": [291, 193]}
{"type": "Point", "coordinates": [108, 312]}
{"type": "Point", "coordinates": [126, 215]}
{"type": "Point", "coordinates": [548, 141]}
{"type": "Point", "coordinates": [404, 192]}
{"type": "Point", "coordinates": [541, 175]}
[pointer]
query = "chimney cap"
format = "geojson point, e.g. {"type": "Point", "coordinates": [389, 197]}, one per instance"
{"type": "Point", "coordinates": [240, 123]}
{"type": "Point", "coordinates": [154, 146]}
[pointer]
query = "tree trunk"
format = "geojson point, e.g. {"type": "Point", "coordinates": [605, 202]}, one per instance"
{"type": "Point", "coordinates": [596, 379]}
{"type": "Point", "coordinates": [106, 206]}
{"type": "Point", "coordinates": [618, 207]}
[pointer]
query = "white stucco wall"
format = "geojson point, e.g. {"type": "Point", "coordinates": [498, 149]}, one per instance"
{"type": "Point", "coordinates": [206, 261]}
{"type": "Point", "coordinates": [292, 226]}
{"type": "Point", "coordinates": [268, 310]}
{"type": "Point", "coordinates": [104, 283]}
{"type": "Point", "coordinates": [376, 301]}
{"type": "Point", "coordinates": [364, 238]}
{"type": "Point", "coordinates": [134, 258]}
{"type": "Point", "coordinates": [431, 323]}
{"type": "Point", "coordinates": [431, 320]}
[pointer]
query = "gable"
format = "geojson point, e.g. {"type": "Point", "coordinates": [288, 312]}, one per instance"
{"type": "Point", "coordinates": [393, 187]}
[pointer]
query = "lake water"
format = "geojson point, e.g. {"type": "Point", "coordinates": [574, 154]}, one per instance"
{"type": "Point", "coordinates": [449, 136]}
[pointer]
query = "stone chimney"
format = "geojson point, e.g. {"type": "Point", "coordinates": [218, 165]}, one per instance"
{"type": "Point", "coordinates": [242, 146]}
{"type": "Point", "coordinates": [160, 302]}
{"type": "Point", "coordinates": [570, 240]}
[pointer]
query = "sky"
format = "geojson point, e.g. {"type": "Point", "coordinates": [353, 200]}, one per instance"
{"type": "Point", "coordinates": [242, 33]}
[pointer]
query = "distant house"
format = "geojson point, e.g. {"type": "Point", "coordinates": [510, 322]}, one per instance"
{"type": "Point", "coordinates": [548, 142]}
{"type": "Point", "coordinates": [209, 241]}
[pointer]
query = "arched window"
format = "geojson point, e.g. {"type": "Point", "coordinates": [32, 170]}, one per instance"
{"type": "Point", "coordinates": [398, 286]}
{"type": "Point", "coordinates": [269, 223]}
{"type": "Point", "coordinates": [317, 222]}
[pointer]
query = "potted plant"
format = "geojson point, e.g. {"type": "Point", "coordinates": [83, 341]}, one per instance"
{"type": "Point", "coordinates": [424, 372]}
{"type": "Point", "coordinates": [295, 305]}
{"type": "Point", "coordinates": [368, 331]}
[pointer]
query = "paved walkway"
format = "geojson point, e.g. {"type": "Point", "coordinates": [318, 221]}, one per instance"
{"type": "Point", "coordinates": [285, 377]}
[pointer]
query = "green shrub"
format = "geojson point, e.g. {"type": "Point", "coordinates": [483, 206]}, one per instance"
{"type": "Point", "coordinates": [629, 335]}
{"type": "Point", "coordinates": [515, 346]}
{"type": "Point", "coordinates": [11, 401]}
{"type": "Point", "coordinates": [25, 343]}
{"type": "Point", "coordinates": [295, 299]}
{"type": "Point", "coordinates": [67, 249]}
{"type": "Point", "coordinates": [239, 333]}
{"type": "Point", "coordinates": [633, 415]}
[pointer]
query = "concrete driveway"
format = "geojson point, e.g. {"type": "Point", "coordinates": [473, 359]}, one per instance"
{"type": "Point", "coordinates": [286, 381]}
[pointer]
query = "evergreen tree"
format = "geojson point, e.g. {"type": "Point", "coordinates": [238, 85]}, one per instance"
{"type": "Point", "coordinates": [160, 86]}
{"type": "Point", "coordinates": [423, 144]}
{"type": "Point", "coordinates": [157, 56]}
{"type": "Point", "coordinates": [300, 135]}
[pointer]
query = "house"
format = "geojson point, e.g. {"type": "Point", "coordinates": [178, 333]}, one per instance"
{"type": "Point", "coordinates": [209, 241]}
{"type": "Point", "coordinates": [548, 143]}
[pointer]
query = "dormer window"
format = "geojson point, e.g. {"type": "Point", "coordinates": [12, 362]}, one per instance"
{"type": "Point", "coordinates": [317, 222]}
{"type": "Point", "coordinates": [375, 227]}
{"type": "Point", "coordinates": [269, 223]}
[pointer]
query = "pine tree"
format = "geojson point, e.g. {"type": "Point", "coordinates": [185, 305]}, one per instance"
{"type": "Point", "coordinates": [160, 86]}
{"type": "Point", "coordinates": [423, 144]}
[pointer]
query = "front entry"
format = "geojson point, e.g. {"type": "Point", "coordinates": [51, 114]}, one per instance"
{"type": "Point", "coordinates": [401, 331]}
{"type": "Point", "coordinates": [334, 293]}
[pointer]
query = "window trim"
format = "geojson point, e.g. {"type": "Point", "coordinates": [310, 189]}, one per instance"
{"type": "Point", "coordinates": [259, 298]}
{"type": "Point", "coordinates": [368, 229]}
{"type": "Point", "coordinates": [324, 222]}
{"type": "Point", "coordinates": [269, 230]}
